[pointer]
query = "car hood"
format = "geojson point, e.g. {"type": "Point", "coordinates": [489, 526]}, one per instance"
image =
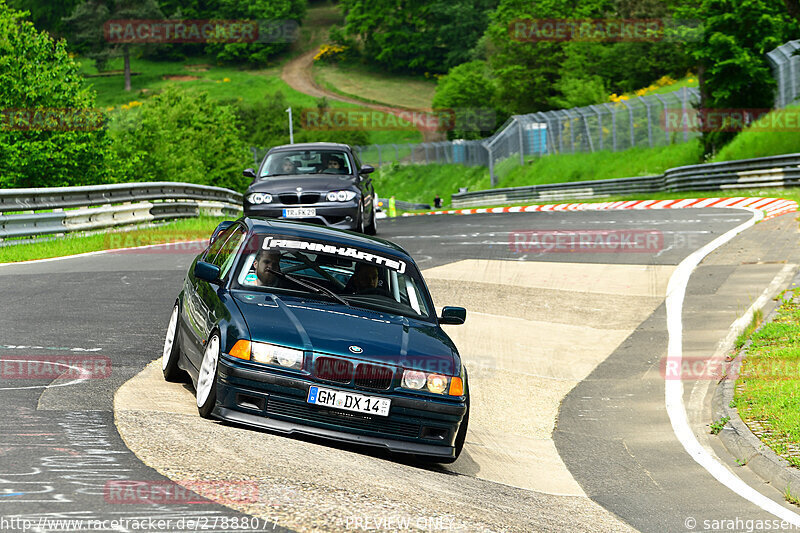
{"type": "Point", "coordinates": [332, 328]}
{"type": "Point", "coordinates": [309, 183]}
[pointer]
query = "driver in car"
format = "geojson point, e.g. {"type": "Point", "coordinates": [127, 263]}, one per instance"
{"type": "Point", "coordinates": [267, 260]}
{"type": "Point", "coordinates": [365, 278]}
{"type": "Point", "coordinates": [335, 165]}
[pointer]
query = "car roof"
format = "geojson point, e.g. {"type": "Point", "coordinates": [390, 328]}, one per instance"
{"type": "Point", "coordinates": [314, 231]}
{"type": "Point", "coordinates": [310, 146]}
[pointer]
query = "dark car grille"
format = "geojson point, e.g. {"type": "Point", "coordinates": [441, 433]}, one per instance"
{"type": "Point", "coordinates": [331, 369]}
{"type": "Point", "coordinates": [373, 377]}
{"type": "Point", "coordinates": [304, 198]}
{"type": "Point", "coordinates": [345, 419]}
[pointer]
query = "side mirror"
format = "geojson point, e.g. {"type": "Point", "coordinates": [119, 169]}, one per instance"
{"type": "Point", "coordinates": [366, 169]}
{"type": "Point", "coordinates": [453, 315]}
{"type": "Point", "coordinates": [222, 227]}
{"type": "Point", "coordinates": [207, 272]}
{"type": "Point", "coordinates": [249, 173]}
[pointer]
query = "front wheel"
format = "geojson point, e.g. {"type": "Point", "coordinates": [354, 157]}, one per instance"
{"type": "Point", "coordinates": [372, 229]}
{"type": "Point", "coordinates": [172, 350]}
{"type": "Point", "coordinates": [207, 379]}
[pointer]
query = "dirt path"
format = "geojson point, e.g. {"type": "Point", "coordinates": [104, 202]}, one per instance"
{"type": "Point", "coordinates": [297, 74]}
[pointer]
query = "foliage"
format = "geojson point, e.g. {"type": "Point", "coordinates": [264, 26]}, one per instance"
{"type": "Point", "coordinates": [37, 73]}
{"type": "Point", "coordinates": [262, 10]}
{"type": "Point", "coordinates": [409, 36]}
{"type": "Point", "coordinates": [85, 26]}
{"type": "Point", "coordinates": [265, 123]}
{"type": "Point", "coordinates": [734, 71]}
{"type": "Point", "coordinates": [179, 136]}
{"type": "Point", "coordinates": [46, 14]}
{"type": "Point", "coordinates": [760, 139]}
{"type": "Point", "coordinates": [468, 86]}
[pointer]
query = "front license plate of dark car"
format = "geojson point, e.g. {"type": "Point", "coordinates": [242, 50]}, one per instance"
{"type": "Point", "coordinates": [348, 401]}
{"type": "Point", "coordinates": [300, 212]}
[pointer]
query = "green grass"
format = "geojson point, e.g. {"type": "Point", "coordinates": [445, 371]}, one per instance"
{"type": "Point", "coordinates": [178, 231]}
{"type": "Point", "coordinates": [756, 141]}
{"type": "Point", "coordinates": [420, 183]}
{"type": "Point", "coordinates": [363, 83]}
{"type": "Point", "coordinates": [562, 168]}
{"type": "Point", "coordinates": [249, 85]}
{"type": "Point", "coordinates": [768, 388]}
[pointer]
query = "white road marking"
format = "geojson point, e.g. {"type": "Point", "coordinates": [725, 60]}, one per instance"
{"type": "Point", "coordinates": [82, 376]}
{"type": "Point", "coordinates": [673, 388]}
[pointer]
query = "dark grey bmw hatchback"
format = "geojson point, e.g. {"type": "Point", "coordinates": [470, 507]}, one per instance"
{"type": "Point", "coordinates": [322, 183]}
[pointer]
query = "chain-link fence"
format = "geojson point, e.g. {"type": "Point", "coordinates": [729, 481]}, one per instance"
{"type": "Point", "coordinates": [646, 121]}
{"type": "Point", "coordinates": [786, 69]}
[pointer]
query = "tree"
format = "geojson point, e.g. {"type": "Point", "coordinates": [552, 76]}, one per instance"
{"type": "Point", "coordinates": [179, 136]}
{"type": "Point", "coordinates": [468, 87]}
{"type": "Point", "coordinates": [734, 72]}
{"type": "Point", "coordinates": [87, 25]}
{"type": "Point", "coordinates": [46, 14]}
{"type": "Point", "coordinates": [269, 11]}
{"type": "Point", "coordinates": [417, 37]}
{"type": "Point", "coordinates": [39, 79]}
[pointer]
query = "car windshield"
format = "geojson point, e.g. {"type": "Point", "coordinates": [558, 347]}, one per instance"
{"type": "Point", "coordinates": [287, 163]}
{"type": "Point", "coordinates": [325, 270]}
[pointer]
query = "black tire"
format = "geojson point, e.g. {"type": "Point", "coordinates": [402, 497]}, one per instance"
{"type": "Point", "coordinates": [372, 229]}
{"type": "Point", "coordinates": [172, 350]}
{"type": "Point", "coordinates": [209, 368]}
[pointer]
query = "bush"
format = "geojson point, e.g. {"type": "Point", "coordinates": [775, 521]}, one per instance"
{"type": "Point", "coordinates": [179, 136]}
{"type": "Point", "coordinates": [468, 86]}
{"type": "Point", "coordinates": [37, 73]}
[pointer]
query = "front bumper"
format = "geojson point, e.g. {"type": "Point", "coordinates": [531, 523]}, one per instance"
{"type": "Point", "coordinates": [341, 215]}
{"type": "Point", "coordinates": [277, 402]}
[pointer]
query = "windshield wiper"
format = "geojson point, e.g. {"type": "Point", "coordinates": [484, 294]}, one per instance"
{"type": "Point", "coordinates": [319, 289]}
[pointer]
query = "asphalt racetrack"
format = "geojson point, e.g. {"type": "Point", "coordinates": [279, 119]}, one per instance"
{"type": "Point", "coordinates": [564, 345]}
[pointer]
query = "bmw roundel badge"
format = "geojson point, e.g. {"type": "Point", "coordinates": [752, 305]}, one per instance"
{"type": "Point", "coordinates": [356, 349]}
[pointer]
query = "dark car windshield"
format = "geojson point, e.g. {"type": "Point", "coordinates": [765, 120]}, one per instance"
{"type": "Point", "coordinates": [288, 163]}
{"type": "Point", "coordinates": [358, 277]}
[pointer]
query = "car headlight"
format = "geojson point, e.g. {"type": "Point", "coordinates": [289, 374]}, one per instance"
{"type": "Point", "coordinates": [340, 196]}
{"type": "Point", "coordinates": [271, 354]}
{"type": "Point", "coordinates": [259, 198]}
{"type": "Point", "coordinates": [416, 380]}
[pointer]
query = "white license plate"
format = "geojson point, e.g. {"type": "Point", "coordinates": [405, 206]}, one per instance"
{"type": "Point", "coordinates": [348, 401]}
{"type": "Point", "coordinates": [300, 212]}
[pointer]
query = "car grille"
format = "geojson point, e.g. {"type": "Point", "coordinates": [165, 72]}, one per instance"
{"type": "Point", "coordinates": [340, 418]}
{"type": "Point", "coordinates": [373, 377]}
{"type": "Point", "coordinates": [303, 198]}
{"type": "Point", "coordinates": [331, 369]}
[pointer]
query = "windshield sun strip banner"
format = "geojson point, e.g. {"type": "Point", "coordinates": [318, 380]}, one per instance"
{"type": "Point", "coordinates": [331, 249]}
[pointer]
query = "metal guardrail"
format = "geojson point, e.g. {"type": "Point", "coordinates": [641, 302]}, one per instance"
{"type": "Point", "coordinates": [776, 171]}
{"type": "Point", "coordinates": [60, 210]}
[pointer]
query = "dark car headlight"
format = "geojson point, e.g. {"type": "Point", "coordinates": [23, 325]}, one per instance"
{"type": "Point", "coordinates": [340, 196]}
{"type": "Point", "coordinates": [259, 198]}
{"type": "Point", "coordinates": [431, 382]}
{"type": "Point", "coordinates": [268, 354]}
